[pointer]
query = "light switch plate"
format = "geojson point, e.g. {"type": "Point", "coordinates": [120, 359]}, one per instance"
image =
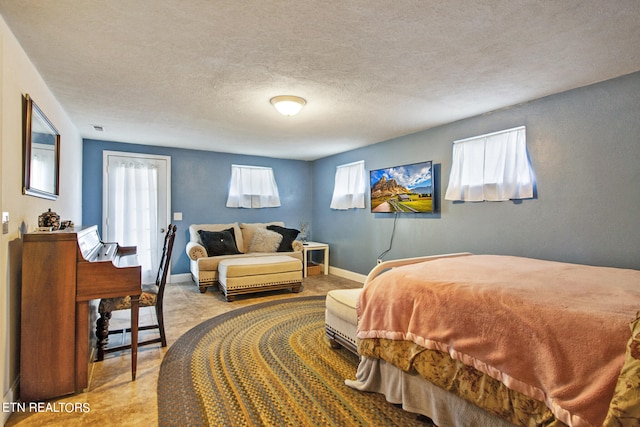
{"type": "Point", "coordinates": [177, 216]}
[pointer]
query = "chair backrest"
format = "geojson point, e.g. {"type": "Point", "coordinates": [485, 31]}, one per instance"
{"type": "Point", "coordinates": [167, 249]}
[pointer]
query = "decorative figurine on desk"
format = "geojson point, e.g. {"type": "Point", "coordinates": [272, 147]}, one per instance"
{"type": "Point", "coordinates": [66, 224]}
{"type": "Point", "coordinates": [303, 232]}
{"type": "Point", "coordinates": [49, 219]}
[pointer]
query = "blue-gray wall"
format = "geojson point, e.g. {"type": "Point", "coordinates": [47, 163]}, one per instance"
{"type": "Point", "coordinates": [585, 149]}
{"type": "Point", "coordinates": [199, 188]}
{"type": "Point", "coordinates": [584, 146]}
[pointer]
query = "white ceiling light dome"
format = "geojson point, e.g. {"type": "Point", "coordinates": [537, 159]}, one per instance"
{"type": "Point", "coordinates": [288, 105]}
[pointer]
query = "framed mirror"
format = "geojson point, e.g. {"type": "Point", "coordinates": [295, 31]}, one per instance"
{"type": "Point", "coordinates": [41, 153]}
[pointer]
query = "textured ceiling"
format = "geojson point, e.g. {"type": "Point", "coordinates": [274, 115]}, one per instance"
{"type": "Point", "coordinates": [199, 74]}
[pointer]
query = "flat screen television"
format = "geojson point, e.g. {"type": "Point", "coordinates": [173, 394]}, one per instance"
{"type": "Point", "coordinates": [403, 189]}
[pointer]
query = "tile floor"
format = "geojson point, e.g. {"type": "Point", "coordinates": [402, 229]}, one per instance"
{"type": "Point", "coordinates": [112, 399]}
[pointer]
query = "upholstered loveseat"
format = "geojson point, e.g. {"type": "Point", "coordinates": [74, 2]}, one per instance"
{"type": "Point", "coordinates": [211, 243]}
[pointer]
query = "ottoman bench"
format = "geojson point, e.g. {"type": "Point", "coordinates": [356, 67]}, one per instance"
{"type": "Point", "coordinates": [256, 274]}
{"type": "Point", "coordinates": [341, 318]}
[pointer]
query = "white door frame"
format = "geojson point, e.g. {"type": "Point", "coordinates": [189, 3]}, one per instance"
{"type": "Point", "coordinates": [164, 209]}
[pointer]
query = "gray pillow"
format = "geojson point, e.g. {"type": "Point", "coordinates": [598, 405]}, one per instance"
{"type": "Point", "coordinates": [265, 241]}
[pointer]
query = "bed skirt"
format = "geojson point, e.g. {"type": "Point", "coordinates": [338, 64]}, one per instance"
{"type": "Point", "coordinates": [419, 396]}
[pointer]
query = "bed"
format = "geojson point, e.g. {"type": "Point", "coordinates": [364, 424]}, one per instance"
{"type": "Point", "coordinates": [493, 340]}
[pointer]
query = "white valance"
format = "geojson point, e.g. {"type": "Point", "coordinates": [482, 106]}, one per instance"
{"type": "Point", "coordinates": [492, 167]}
{"type": "Point", "coordinates": [349, 187]}
{"type": "Point", "coordinates": [252, 187]}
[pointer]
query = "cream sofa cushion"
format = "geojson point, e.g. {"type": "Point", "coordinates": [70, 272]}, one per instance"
{"type": "Point", "coordinates": [257, 266]}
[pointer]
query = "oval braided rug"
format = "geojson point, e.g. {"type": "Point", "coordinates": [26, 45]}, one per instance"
{"type": "Point", "coordinates": [268, 364]}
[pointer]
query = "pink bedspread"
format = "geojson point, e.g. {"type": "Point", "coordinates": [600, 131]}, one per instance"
{"type": "Point", "coordinates": [553, 331]}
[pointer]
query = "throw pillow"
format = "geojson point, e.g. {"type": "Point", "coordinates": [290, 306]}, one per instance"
{"type": "Point", "coordinates": [288, 236]}
{"type": "Point", "coordinates": [219, 242]}
{"type": "Point", "coordinates": [265, 241]}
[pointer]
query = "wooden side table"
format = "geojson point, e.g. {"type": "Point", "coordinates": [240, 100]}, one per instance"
{"type": "Point", "coordinates": [309, 247]}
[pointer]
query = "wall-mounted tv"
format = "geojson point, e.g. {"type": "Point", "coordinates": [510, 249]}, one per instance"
{"type": "Point", "coordinates": [403, 189]}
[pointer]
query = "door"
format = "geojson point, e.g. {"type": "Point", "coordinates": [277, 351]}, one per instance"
{"type": "Point", "coordinates": [136, 204]}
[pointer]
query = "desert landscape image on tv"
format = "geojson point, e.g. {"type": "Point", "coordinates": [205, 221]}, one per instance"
{"type": "Point", "coordinates": [402, 189]}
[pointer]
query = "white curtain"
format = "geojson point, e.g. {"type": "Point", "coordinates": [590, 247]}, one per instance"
{"type": "Point", "coordinates": [133, 220]}
{"type": "Point", "coordinates": [252, 187]}
{"type": "Point", "coordinates": [492, 167]}
{"type": "Point", "coordinates": [349, 187]}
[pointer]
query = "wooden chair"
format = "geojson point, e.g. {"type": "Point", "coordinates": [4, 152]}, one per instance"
{"type": "Point", "coordinates": [152, 296]}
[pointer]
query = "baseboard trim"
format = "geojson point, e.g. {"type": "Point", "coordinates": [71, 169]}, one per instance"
{"type": "Point", "coordinates": [347, 274]}
{"type": "Point", "coordinates": [186, 277]}
{"type": "Point", "coordinates": [9, 398]}
{"type": "Point", "coordinates": [178, 278]}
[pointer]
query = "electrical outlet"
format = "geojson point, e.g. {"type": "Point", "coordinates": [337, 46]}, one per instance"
{"type": "Point", "coordinates": [5, 222]}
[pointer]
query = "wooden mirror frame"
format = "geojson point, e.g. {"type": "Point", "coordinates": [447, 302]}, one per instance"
{"type": "Point", "coordinates": [37, 126]}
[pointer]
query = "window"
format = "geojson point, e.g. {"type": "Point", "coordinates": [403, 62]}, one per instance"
{"type": "Point", "coordinates": [252, 187]}
{"type": "Point", "coordinates": [349, 187]}
{"type": "Point", "coordinates": [492, 167]}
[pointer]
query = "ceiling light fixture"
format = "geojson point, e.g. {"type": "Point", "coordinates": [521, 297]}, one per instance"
{"type": "Point", "coordinates": [288, 105]}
